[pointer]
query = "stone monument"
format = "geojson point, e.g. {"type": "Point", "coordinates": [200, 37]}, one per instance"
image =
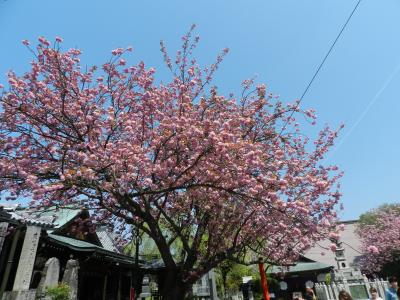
{"type": "Point", "coordinates": [71, 278]}
{"type": "Point", "coordinates": [50, 275]}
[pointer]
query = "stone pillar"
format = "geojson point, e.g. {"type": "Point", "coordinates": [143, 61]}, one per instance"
{"type": "Point", "coordinates": [213, 285]}
{"type": "Point", "coordinates": [328, 291]}
{"type": "Point", "coordinates": [27, 259]}
{"type": "Point", "coordinates": [71, 278]}
{"type": "Point", "coordinates": [381, 287]}
{"type": "Point", "coordinates": [346, 285]}
{"type": "Point", "coordinates": [367, 285]}
{"type": "Point", "coordinates": [335, 290]}
{"type": "Point", "coordinates": [3, 232]}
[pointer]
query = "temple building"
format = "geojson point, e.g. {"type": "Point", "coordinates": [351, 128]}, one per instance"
{"type": "Point", "coordinates": [100, 270]}
{"type": "Point", "coordinates": [320, 265]}
{"type": "Point", "coordinates": [294, 279]}
{"type": "Point", "coordinates": [40, 249]}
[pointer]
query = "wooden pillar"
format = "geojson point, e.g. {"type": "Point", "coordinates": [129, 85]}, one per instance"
{"type": "Point", "coordinates": [9, 261]}
{"type": "Point", "coordinates": [119, 286]}
{"type": "Point", "coordinates": [105, 287]}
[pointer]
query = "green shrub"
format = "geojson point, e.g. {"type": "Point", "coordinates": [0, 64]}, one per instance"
{"type": "Point", "coordinates": [328, 279]}
{"type": "Point", "coordinates": [60, 292]}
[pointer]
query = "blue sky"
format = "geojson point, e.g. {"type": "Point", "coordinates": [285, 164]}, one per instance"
{"type": "Point", "coordinates": [280, 41]}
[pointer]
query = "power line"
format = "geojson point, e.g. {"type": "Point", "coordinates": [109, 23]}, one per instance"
{"type": "Point", "coordinates": [330, 50]}
{"type": "Point", "coordinates": [322, 63]}
{"type": "Point", "coordinates": [386, 83]}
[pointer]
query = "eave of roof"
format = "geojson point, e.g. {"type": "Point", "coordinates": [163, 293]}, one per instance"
{"type": "Point", "coordinates": [13, 217]}
{"type": "Point", "coordinates": [83, 246]}
{"type": "Point", "coordinates": [31, 220]}
{"type": "Point", "coordinates": [5, 217]}
{"type": "Point", "coordinates": [349, 222]}
{"type": "Point", "coordinates": [300, 267]}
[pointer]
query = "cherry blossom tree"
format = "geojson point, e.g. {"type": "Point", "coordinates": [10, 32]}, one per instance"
{"type": "Point", "coordinates": [380, 239]}
{"type": "Point", "coordinates": [221, 176]}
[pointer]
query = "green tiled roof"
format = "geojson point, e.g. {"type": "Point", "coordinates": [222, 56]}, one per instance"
{"type": "Point", "coordinates": [61, 215]}
{"type": "Point", "coordinates": [51, 217]}
{"type": "Point", "coordinates": [65, 215]}
{"type": "Point", "coordinates": [82, 245]}
{"type": "Point", "coordinates": [299, 267]}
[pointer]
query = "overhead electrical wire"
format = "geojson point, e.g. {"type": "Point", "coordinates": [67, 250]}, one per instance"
{"type": "Point", "coordinates": [321, 64]}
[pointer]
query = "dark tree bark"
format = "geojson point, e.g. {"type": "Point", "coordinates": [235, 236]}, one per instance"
{"type": "Point", "coordinates": [174, 288]}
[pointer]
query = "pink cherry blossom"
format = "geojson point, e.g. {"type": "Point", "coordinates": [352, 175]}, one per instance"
{"type": "Point", "coordinates": [219, 175]}
{"type": "Point", "coordinates": [381, 240]}
{"type": "Point", "coordinates": [43, 41]}
{"type": "Point", "coordinates": [373, 249]}
{"type": "Point", "coordinates": [334, 235]}
{"type": "Point", "coordinates": [117, 51]}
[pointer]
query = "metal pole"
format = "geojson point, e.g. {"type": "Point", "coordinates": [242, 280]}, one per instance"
{"type": "Point", "coordinates": [10, 261]}
{"type": "Point", "coordinates": [264, 284]}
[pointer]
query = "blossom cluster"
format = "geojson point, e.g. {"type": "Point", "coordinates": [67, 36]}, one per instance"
{"type": "Point", "coordinates": [381, 240]}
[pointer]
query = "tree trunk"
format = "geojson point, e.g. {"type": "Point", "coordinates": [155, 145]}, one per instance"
{"type": "Point", "coordinates": [174, 288]}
